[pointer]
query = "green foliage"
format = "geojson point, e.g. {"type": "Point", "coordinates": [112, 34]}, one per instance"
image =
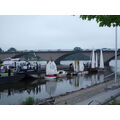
{"type": "Point", "coordinates": [65, 102]}
{"type": "Point", "coordinates": [1, 50]}
{"type": "Point", "coordinates": [104, 20]}
{"type": "Point", "coordinates": [31, 57]}
{"type": "Point", "coordinates": [28, 101]}
{"type": "Point", "coordinates": [78, 49]}
{"type": "Point", "coordinates": [11, 50]}
{"type": "Point", "coordinates": [113, 101]}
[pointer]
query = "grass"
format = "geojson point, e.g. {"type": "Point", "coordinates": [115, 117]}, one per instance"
{"type": "Point", "coordinates": [113, 102]}
{"type": "Point", "coordinates": [29, 101]}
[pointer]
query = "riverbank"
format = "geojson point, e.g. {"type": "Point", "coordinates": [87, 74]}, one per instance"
{"type": "Point", "coordinates": [84, 96]}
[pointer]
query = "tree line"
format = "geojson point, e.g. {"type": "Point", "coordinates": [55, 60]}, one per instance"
{"type": "Point", "coordinates": [9, 50]}
{"type": "Point", "coordinates": [74, 49]}
{"type": "Point", "coordinates": [15, 50]}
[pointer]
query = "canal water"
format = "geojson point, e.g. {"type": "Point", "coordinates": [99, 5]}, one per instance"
{"type": "Point", "coordinates": [15, 93]}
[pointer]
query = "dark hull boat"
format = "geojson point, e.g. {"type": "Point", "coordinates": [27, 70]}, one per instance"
{"type": "Point", "coordinates": [9, 79]}
{"type": "Point", "coordinates": [92, 70]}
{"type": "Point", "coordinates": [33, 74]}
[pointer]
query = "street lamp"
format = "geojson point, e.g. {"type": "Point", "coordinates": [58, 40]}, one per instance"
{"type": "Point", "coordinates": [115, 54]}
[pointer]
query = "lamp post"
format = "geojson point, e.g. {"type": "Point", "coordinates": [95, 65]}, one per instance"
{"type": "Point", "coordinates": [115, 54]}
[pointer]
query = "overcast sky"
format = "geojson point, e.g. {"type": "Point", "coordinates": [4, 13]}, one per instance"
{"type": "Point", "coordinates": [53, 32]}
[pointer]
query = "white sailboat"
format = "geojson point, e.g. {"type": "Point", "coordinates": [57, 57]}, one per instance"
{"type": "Point", "coordinates": [93, 68]}
{"type": "Point", "coordinates": [51, 71]}
{"type": "Point", "coordinates": [81, 67]}
{"type": "Point", "coordinates": [101, 67]}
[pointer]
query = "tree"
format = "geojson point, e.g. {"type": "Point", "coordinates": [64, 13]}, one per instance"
{"type": "Point", "coordinates": [78, 49]}
{"type": "Point", "coordinates": [104, 20]}
{"type": "Point", "coordinates": [11, 50]}
{"type": "Point", "coordinates": [1, 50]}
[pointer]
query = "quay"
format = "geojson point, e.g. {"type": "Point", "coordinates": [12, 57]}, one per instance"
{"type": "Point", "coordinates": [93, 95]}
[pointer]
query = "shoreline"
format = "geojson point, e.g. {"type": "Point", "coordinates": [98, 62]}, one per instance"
{"type": "Point", "coordinates": [75, 97]}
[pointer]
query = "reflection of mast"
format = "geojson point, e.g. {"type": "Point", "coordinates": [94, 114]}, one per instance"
{"type": "Point", "coordinates": [101, 77]}
{"type": "Point", "coordinates": [92, 80]}
{"type": "Point", "coordinates": [81, 81]}
{"type": "Point", "coordinates": [96, 78]}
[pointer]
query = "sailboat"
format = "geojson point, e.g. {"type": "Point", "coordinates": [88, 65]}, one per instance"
{"type": "Point", "coordinates": [82, 69]}
{"type": "Point", "coordinates": [51, 71]}
{"type": "Point", "coordinates": [93, 68]}
{"type": "Point", "coordinates": [101, 67]}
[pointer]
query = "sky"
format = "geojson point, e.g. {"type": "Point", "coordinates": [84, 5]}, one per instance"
{"type": "Point", "coordinates": [43, 32]}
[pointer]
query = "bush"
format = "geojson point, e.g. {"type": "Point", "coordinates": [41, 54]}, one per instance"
{"type": "Point", "coordinates": [113, 101]}
{"type": "Point", "coordinates": [28, 101]}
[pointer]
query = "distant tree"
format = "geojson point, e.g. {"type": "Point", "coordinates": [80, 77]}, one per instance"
{"type": "Point", "coordinates": [1, 50]}
{"type": "Point", "coordinates": [78, 49]}
{"type": "Point", "coordinates": [11, 50]}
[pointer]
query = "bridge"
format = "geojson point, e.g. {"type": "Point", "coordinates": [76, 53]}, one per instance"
{"type": "Point", "coordinates": [57, 56]}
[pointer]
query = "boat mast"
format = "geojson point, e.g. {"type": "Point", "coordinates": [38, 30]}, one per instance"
{"type": "Point", "coordinates": [93, 59]}
{"type": "Point", "coordinates": [96, 61]}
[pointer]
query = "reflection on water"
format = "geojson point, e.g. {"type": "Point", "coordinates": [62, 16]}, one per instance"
{"type": "Point", "coordinates": [51, 87]}
{"type": "Point", "coordinates": [17, 92]}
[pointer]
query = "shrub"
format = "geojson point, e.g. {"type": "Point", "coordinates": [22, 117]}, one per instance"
{"type": "Point", "coordinates": [28, 101]}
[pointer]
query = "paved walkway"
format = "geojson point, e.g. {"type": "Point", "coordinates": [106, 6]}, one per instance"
{"type": "Point", "coordinates": [92, 95]}
{"type": "Point", "coordinates": [100, 98]}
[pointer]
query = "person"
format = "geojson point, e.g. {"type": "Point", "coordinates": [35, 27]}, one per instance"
{"type": "Point", "coordinates": [9, 72]}
{"type": "Point", "coordinates": [28, 65]}
{"type": "Point", "coordinates": [71, 67]}
{"type": "Point", "coordinates": [36, 66]}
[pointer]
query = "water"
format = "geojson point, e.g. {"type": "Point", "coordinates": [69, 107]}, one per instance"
{"type": "Point", "coordinates": [17, 92]}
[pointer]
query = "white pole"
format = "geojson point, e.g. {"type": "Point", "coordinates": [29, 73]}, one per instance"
{"type": "Point", "coordinates": [93, 59]}
{"type": "Point", "coordinates": [116, 54]}
{"type": "Point", "coordinates": [96, 61]}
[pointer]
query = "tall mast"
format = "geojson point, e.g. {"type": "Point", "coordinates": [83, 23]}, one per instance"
{"type": "Point", "coordinates": [93, 59]}
{"type": "Point", "coordinates": [96, 65]}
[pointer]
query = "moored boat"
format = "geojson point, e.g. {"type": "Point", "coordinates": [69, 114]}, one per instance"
{"type": "Point", "coordinates": [51, 71]}
{"type": "Point", "coordinates": [61, 73]}
{"type": "Point", "coordinates": [50, 77]}
{"type": "Point", "coordinates": [13, 78]}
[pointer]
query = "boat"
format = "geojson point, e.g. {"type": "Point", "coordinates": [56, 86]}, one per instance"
{"type": "Point", "coordinates": [82, 70]}
{"type": "Point", "coordinates": [51, 71]}
{"type": "Point", "coordinates": [101, 67]}
{"type": "Point", "coordinates": [93, 68]}
{"type": "Point", "coordinates": [13, 78]}
{"type": "Point", "coordinates": [61, 73]}
{"type": "Point", "coordinates": [50, 77]}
